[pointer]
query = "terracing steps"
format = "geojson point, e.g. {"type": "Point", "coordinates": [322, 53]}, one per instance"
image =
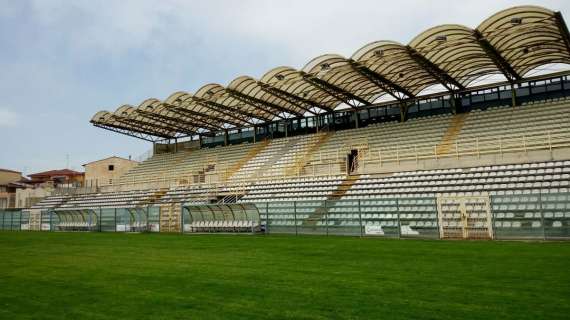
{"type": "Point", "coordinates": [303, 160]}
{"type": "Point", "coordinates": [155, 197]}
{"type": "Point", "coordinates": [448, 140]}
{"type": "Point", "coordinates": [280, 152]}
{"type": "Point", "coordinates": [250, 155]}
{"type": "Point", "coordinates": [340, 191]}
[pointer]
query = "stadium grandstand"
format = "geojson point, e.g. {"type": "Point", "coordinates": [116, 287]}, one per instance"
{"type": "Point", "coordinates": [396, 140]}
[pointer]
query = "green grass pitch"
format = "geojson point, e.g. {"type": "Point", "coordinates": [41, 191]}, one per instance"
{"type": "Point", "coordinates": [145, 276]}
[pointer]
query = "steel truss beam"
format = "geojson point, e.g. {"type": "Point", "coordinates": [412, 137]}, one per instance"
{"type": "Point", "coordinates": [443, 77]}
{"type": "Point", "coordinates": [222, 109]}
{"type": "Point", "coordinates": [130, 132]}
{"type": "Point", "coordinates": [291, 98]}
{"type": "Point", "coordinates": [334, 91]}
{"type": "Point", "coordinates": [259, 103]}
{"type": "Point", "coordinates": [144, 125]}
{"type": "Point", "coordinates": [563, 28]}
{"type": "Point", "coordinates": [382, 82]}
{"type": "Point", "coordinates": [201, 118]}
{"type": "Point", "coordinates": [503, 65]}
{"type": "Point", "coordinates": [179, 123]}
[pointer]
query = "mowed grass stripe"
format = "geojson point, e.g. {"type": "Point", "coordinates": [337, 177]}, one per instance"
{"type": "Point", "coordinates": [152, 276]}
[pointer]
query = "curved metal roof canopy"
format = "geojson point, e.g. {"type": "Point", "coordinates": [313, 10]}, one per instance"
{"type": "Point", "coordinates": [510, 43]}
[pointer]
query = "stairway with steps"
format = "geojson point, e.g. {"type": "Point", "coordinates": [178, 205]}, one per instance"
{"type": "Point", "coordinates": [340, 191]}
{"type": "Point", "coordinates": [303, 159]}
{"type": "Point", "coordinates": [155, 197]}
{"type": "Point", "coordinates": [260, 146]}
{"type": "Point", "coordinates": [170, 217]}
{"type": "Point", "coordinates": [448, 141]}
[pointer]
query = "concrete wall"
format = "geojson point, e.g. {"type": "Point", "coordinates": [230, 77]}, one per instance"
{"type": "Point", "coordinates": [26, 198]}
{"type": "Point", "coordinates": [98, 174]}
{"type": "Point", "coordinates": [450, 162]}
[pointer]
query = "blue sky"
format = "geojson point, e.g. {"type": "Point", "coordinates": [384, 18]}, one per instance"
{"type": "Point", "coordinates": [62, 61]}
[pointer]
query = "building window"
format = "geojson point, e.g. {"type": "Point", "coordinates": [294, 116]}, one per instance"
{"type": "Point", "coordinates": [111, 167]}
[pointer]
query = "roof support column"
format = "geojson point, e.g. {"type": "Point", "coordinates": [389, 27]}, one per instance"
{"type": "Point", "coordinates": [333, 124]}
{"type": "Point", "coordinates": [254, 133]}
{"type": "Point", "coordinates": [226, 137]}
{"type": "Point", "coordinates": [513, 95]}
{"type": "Point", "coordinates": [317, 122]}
{"type": "Point", "coordinates": [455, 103]}
{"type": "Point", "coordinates": [286, 127]}
{"type": "Point", "coordinates": [403, 111]}
{"type": "Point", "coordinates": [356, 118]}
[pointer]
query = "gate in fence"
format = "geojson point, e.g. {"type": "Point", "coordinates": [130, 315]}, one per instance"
{"type": "Point", "coordinates": [465, 217]}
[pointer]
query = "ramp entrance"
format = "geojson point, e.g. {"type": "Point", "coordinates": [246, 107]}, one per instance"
{"type": "Point", "coordinates": [227, 218]}
{"type": "Point", "coordinates": [464, 217]}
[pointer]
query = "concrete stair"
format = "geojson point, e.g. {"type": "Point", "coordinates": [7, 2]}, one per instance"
{"type": "Point", "coordinates": [447, 143]}
{"type": "Point", "coordinates": [170, 218]}
{"type": "Point", "coordinates": [340, 191]}
{"type": "Point", "coordinates": [302, 160]}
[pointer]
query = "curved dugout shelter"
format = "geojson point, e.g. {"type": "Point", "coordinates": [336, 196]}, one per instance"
{"type": "Point", "coordinates": [510, 43]}
{"type": "Point", "coordinates": [229, 217]}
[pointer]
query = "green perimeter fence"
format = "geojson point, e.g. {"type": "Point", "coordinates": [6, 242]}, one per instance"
{"type": "Point", "coordinates": [525, 216]}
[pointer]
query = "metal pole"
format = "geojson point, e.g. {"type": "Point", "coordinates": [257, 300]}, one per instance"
{"type": "Point", "coordinates": [541, 215]}
{"type": "Point", "coordinates": [267, 218]}
{"type": "Point", "coordinates": [437, 218]}
{"type": "Point", "coordinates": [295, 216]}
{"type": "Point", "coordinates": [327, 217]}
{"type": "Point", "coordinates": [398, 216]}
{"type": "Point", "coordinates": [181, 218]}
{"type": "Point", "coordinates": [360, 218]}
{"type": "Point", "coordinates": [492, 226]}
{"type": "Point", "coordinates": [513, 95]}
{"type": "Point", "coordinates": [147, 215]}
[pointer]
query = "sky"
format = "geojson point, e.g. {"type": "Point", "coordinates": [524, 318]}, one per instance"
{"type": "Point", "coordinates": [62, 61]}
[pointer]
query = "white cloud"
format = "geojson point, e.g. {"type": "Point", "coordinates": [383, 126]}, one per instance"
{"type": "Point", "coordinates": [300, 29]}
{"type": "Point", "coordinates": [8, 118]}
